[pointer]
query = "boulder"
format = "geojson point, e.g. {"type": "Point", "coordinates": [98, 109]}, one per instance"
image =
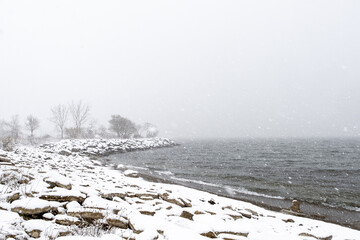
{"type": "Point", "coordinates": [11, 197]}
{"type": "Point", "coordinates": [58, 180]}
{"type": "Point", "coordinates": [187, 215]}
{"type": "Point", "coordinates": [5, 159]}
{"type": "Point", "coordinates": [30, 206]}
{"type": "Point", "coordinates": [35, 227]}
{"type": "Point", "coordinates": [178, 201]}
{"type": "Point", "coordinates": [217, 234]}
{"type": "Point", "coordinates": [66, 220]}
{"type": "Point", "coordinates": [131, 173]}
{"type": "Point", "coordinates": [295, 207]}
{"type": "Point", "coordinates": [117, 221]}
{"type": "Point", "coordinates": [65, 152]}
{"type": "Point", "coordinates": [86, 213]}
{"type": "Point", "coordinates": [313, 236]}
{"type": "Point", "coordinates": [63, 195]}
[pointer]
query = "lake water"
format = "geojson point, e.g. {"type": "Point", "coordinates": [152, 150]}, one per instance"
{"type": "Point", "coordinates": [324, 174]}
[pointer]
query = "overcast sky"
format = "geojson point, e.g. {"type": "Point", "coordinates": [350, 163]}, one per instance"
{"type": "Point", "coordinates": [193, 68]}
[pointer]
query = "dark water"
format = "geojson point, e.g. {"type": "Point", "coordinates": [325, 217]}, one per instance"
{"type": "Point", "coordinates": [324, 174]}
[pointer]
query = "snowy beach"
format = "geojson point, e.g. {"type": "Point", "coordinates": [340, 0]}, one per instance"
{"type": "Point", "coordinates": [62, 191]}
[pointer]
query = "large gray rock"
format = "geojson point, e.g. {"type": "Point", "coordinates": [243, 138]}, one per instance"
{"type": "Point", "coordinates": [30, 206]}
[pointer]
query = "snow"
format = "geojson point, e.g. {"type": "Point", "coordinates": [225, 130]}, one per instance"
{"type": "Point", "coordinates": [104, 237]}
{"type": "Point", "coordinates": [31, 203]}
{"type": "Point", "coordinates": [61, 192]}
{"type": "Point", "coordinates": [98, 202]}
{"type": "Point", "coordinates": [73, 204]}
{"type": "Point", "coordinates": [148, 210]}
{"type": "Point", "coordinates": [36, 224]}
{"type": "Point", "coordinates": [9, 217]}
{"type": "Point", "coordinates": [54, 176]}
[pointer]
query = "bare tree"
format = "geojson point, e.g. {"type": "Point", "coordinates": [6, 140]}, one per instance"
{"type": "Point", "coordinates": [123, 127]}
{"type": "Point", "coordinates": [2, 128]}
{"type": "Point", "coordinates": [59, 118]}
{"type": "Point", "coordinates": [14, 128]}
{"type": "Point", "coordinates": [103, 133]}
{"type": "Point", "coordinates": [80, 114]}
{"type": "Point", "coordinates": [149, 130]}
{"type": "Point", "coordinates": [31, 124]}
{"type": "Point", "coordinates": [6, 141]}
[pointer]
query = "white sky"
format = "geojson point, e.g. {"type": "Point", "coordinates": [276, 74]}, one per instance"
{"type": "Point", "coordinates": [194, 68]}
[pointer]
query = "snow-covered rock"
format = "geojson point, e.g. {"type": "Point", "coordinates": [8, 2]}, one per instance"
{"type": "Point", "coordinates": [54, 179]}
{"type": "Point", "coordinates": [63, 195]}
{"type": "Point", "coordinates": [131, 173]}
{"type": "Point", "coordinates": [29, 206]}
{"type": "Point", "coordinates": [132, 208]}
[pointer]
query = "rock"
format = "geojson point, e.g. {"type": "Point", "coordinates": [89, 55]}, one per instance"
{"type": "Point", "coordinates": [132, 227]}
{"type": "Point", "coordinates": [5, 159]}
{"type": "Point", "coordinates": [245, 214]}
{"type": "Point", "coordinates": [30, 206]}
{"type": "Point", "coordinates": [73, 204]}
{"type": "Point", "coordinates": [313, 236]}
{"type": "Point", "coordinates": [211, 213]}
{"type": "Point", "coordinates": [33, 228]}
{"type": "Point", "coordinates": [288, 220]}
{"type": "Point", "coordinates": [65, 152]}
{"type": "Point", "coordinates": [104, 204]}
{"type": "Point", "coordinates": [111, 194]}
{"type": "Point", "coordinates": [150, 213]}
{"type": "Point", "coordinates": [216, 234]}
{"type": "Point", "coordinates": [236, 217]}
{"type": "Point", "coordinates": [35, 233]}
{"type": "Point", "coordinates": [229, 236]}
{"type": "Point", "coordinates": [178, 201]}
{"type": "Point", "coordinates": [13, 196]}
{"type": "Point", "coordinates": [66, 220]}
{"type": "Point", "coordinates": [295, 207]}
{"type": "Point", "coordinates": [62, 195]}
{"type": "Point", "coordinates": [186, 202]}
{"type": "Point", "coordinates": [187, 215]}
{"type": "Point", "coordinates": [212, 202]}
{"type": "Point", "coordinates": [6, 164]}
{"type": "Point", "coordinates": [209, 235]}
{"type": "Point", "coordinates": [58, 180]}
{"type": "Point", "coordinates": [252, 212]}
{"type": "Point", "coordinates": [48, 216]}
{"type": "Point", "coordinates": [117, 221]}
{"type": "Point", "coordinates": [40, 228]}
{"type": "Point", "coordinates": [131, 173]}
{"type": "Point", "coordinates": [147, 196]}
{"type": "Point", "coordinates": [3, 153]}
{"type": "Point", "coordinates": [86, 213]}
{"type": "Point", "coordinates": [197, 212]}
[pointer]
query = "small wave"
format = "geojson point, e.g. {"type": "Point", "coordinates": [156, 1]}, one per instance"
{"type": "Point", "coordinates": [139, 168]}
{"type": "Point", "coordinates": [350, 208]}
{"type": "Point", "coordinates": [248, 192]}
{"type": "Point", "coordinates": [195, 181]}
{"type": "Point", "coordinates": [167, 173]}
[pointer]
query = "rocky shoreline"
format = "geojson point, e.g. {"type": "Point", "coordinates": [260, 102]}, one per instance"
{"type": "Point", "coordinates": [105, 147]}
{"type": "Point", "coordinates": [58, 191]}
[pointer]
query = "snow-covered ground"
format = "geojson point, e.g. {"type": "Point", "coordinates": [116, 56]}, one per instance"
{"type": "Point", "coordinates": [57, 191]}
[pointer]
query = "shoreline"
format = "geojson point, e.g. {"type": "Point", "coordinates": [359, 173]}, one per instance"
{"type": "Point", "coordinates": [54, 193]}
{"type": "Point", "coordinates": [310, 210]}
{"type": "Point", "coordinates": [314, 208]}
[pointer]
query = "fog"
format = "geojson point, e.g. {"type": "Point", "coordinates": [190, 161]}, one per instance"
{"type": "Point", "coordinates": [196, 69]}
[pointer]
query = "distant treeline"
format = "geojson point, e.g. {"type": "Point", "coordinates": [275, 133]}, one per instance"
{"type": "Point", "coordinates": [71, 121]}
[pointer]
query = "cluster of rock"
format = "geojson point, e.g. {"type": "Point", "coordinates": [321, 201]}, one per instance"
{"type": "Point", "coordinates": [103, 147]}
{"type": "Point", "coordinates": [4, 159]}
{"type": "Point", "coordinates": [48, 195]}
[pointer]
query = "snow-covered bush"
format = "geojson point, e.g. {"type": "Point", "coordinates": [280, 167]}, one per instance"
{"type": "Point", "coordinates": [7, 143]}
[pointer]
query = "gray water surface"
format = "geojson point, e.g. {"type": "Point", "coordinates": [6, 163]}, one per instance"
{"type": "Point", "coordinates": [320, 172]}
